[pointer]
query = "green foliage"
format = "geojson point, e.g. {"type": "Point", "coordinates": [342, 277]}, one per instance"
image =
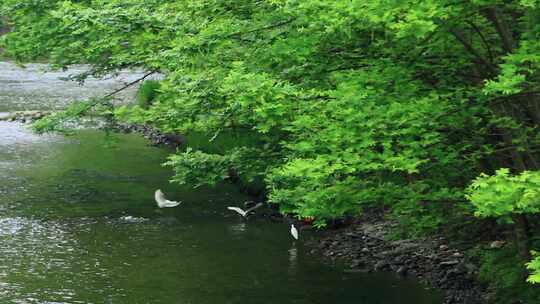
{"type": "Point", "coordinates": [147, 93]}
{"type": "Point", "coordinates": [199, 168]}
{"type": "Point", "coordinates": [498, 267]}
{"type": "Point", "coordinates": [221, 143]}
{"type": "Point", "coordinates": [349, 99]}
{"type": "Point", "coordinates": [534, 267]}
{"type": "Point", "coordinates": [247, 174]}
{"type": "Point", "coordinates": [503, 194]}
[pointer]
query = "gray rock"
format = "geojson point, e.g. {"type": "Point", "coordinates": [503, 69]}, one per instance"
{"type": "Point", "coordinates": [381, 265]}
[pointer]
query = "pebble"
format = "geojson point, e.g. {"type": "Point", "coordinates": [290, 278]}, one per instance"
{"type": "Point", "coordinates": [443, 247]}
{"type": "Point", "coordinates": [457, 255]}
{"type": "Point", "coordinates": [497, 244]}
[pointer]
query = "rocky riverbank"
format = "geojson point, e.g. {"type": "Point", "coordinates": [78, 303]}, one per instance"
{"type": "Point", "coordinates": [25, 116]}
{"type": "Point", "coordinates": [156, 137]}
{"type": "Point", "coordinates": [365, 247]}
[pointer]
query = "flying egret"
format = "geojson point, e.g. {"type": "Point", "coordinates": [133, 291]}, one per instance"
{"type": "Point", "coordinates": [162, 202]}
{"type": "Point", "coordinates": [246, 212]}
{"type": "Point", "coordinates": [294, 232]}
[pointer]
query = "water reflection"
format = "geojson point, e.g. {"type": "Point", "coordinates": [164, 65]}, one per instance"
{"type": "Point", "coordinates": [293, 259]}
{"type": "Point", "coordinates": [238, 229]}
{"type": "Point", "coordinates": [128, 219]}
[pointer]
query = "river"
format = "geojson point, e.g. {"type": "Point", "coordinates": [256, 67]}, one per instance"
{"type": "Point", "coordinates": [78, 223]}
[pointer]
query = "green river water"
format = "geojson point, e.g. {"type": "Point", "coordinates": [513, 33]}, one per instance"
{"type": "Point", "coordinates": [78, 224]}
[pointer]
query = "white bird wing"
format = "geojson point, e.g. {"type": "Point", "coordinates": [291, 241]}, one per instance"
{"type": "Point", "coordinates": [254, 207]}
{"type": "Point", "coordinates": [162, 202]}
{"type": "Point", "coordinates": [294, 232]}
{"type": "Point", "coordinates": [238, 210]}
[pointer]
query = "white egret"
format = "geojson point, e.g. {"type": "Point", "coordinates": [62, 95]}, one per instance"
{"type": "Point", "coordinates": [294, 232]}
{"type": "Point", "coordinates": [246, 212]}
{"type": "Point", "coordinates": [162, 202]}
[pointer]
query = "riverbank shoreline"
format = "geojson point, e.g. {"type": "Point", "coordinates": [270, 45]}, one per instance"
{"type": "Point", "coordinates": [155, 137]}
{"type": "Point", "coordinates": [365, 246]}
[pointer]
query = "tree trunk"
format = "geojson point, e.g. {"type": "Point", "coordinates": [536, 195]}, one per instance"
{"type": "Point", "coordinates": [517, 159]}
{"type": "Point", "coordinates": [502, 28]}
{"type": "Point", "coordinates": [522, 234]}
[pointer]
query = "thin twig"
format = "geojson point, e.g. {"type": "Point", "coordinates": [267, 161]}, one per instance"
{"type": "Point", "coordinates": [483, 38]}
{"type": "Point", "coordinates": [130, 84]}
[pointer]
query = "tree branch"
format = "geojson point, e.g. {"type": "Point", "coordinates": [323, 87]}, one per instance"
{"type": "Point", "coordinates": [469, 48]}
{"type": "Point", "coordinates": [483, 38]}
{"type": "Point", "coordinates": [502, 29]}
{"type": "Point", "coordinates": [130, 84]}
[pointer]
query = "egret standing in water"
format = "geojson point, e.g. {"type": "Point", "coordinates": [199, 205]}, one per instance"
{"type": "Point", "coordinates": [246, 212]}
{"type": "Point", "coordinates": [162, 202]}
{"type": "Point", "coordinates": [294, 232]}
